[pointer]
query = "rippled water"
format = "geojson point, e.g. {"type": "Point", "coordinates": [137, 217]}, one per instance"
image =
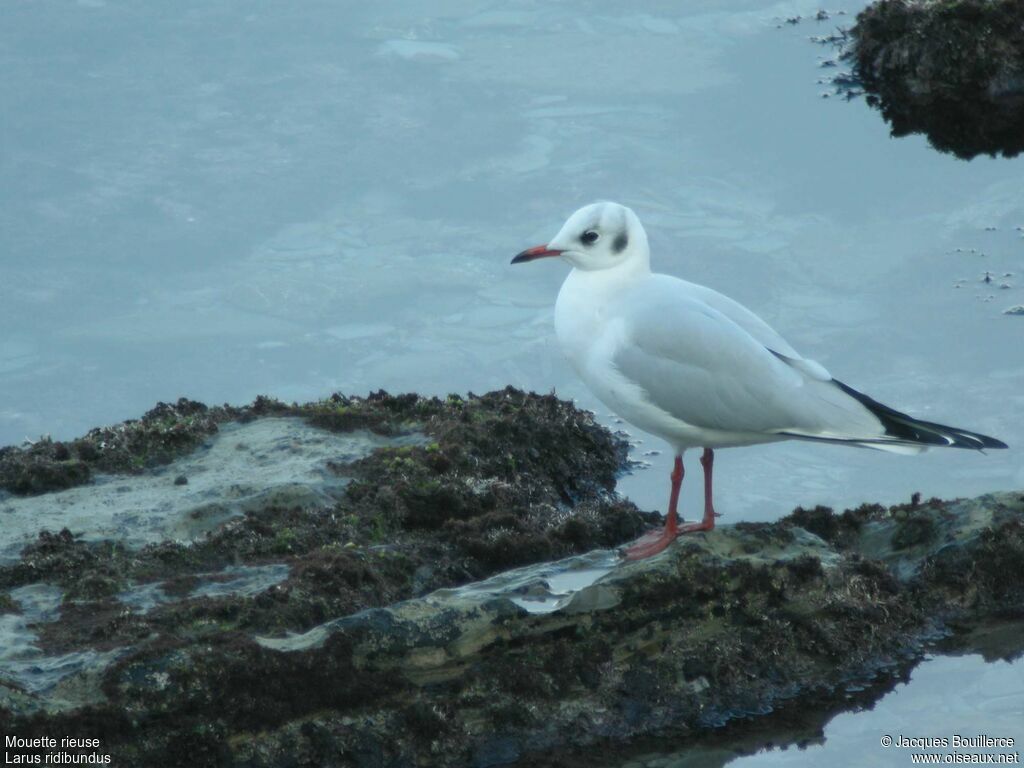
{"type": "Point", "coordinates": [220, 199]}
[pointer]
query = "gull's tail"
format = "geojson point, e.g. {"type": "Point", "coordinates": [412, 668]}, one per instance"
{"type": "Point", "coordinates": [903, 429]}
{"type": "Point", "coordinates": [900, 433]}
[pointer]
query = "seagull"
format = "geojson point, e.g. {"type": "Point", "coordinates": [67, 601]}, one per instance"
{"type": "Point", "coordinates": [692, 366]}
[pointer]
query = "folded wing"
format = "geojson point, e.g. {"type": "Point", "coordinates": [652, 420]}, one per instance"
{"type": "Point", "coordinates": [713, 364]}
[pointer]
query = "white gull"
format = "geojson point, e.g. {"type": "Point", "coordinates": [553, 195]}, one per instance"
{"type": "Point", "coordinates": [698, 369]}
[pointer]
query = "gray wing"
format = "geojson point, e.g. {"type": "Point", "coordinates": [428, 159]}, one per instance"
{"type": "Point", "coordinates": [757, 328]}
{"type": "Point", "coordinates": [704, 368]}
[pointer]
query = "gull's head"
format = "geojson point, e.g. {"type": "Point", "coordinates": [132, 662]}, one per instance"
{"type": "Point", "coordinates": [597, 236]}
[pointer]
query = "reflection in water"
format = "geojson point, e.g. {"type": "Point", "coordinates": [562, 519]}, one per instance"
{"type": "Point", "coordinates": [931, 704]}
{"type": "Point", "coordinates": [913, 700]}
{"type": "Point", "coordinates": [950, 71]}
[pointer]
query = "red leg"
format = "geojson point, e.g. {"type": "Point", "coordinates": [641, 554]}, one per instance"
{"type": "Point", "coordinates": [652, 543]}
{"type": "Point", "coordinates": [655, 541]}
{"type": "Point", "coordinates": [707, 460]}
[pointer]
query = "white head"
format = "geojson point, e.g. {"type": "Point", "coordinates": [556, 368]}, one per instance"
{"type": "Point", "coordinates": [597, 236]}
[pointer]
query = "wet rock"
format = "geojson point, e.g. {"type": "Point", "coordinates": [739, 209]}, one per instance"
{"type": "Point", "coordinates": [459, 602]}
{"type": "Point", "coordinates": [7, 604]}
{"type": "Point", "coordinates": [914, 531]}
{"type": "Point", "coordinates": [160, 436]}
{"type": "Point", "coordinates": [38, 470]}
{"type": "Point", "coordinates": [726, 625]}
{"type": "Point", "coordinates": [462, 488]}
{"type": "Point", "coordinates": [953, 70]}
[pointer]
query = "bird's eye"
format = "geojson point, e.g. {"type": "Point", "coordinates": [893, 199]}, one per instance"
{"type": "Point", "coordinates": [589, 237]}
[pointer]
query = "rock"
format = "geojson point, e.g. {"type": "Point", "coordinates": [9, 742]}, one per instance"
{"type": "Point", "coordinates": [951, 69]}
{"type": "Point", "coordinates": [161, 435]}
{"type": "Point", "coordinates": [459, 601]}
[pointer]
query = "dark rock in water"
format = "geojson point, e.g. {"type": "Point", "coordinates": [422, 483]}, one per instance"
{"type": "Point", "coordinates": [39, 469]}
{"type": "Point", "coordinates": [951, 69]}
{"type": "Point", "coordinates": [160, 436]}
{"type": "Point", "coordinates": [375, 621]}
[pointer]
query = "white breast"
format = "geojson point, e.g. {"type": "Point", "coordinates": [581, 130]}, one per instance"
{"type": "Point", "coordinates": [589, 336]}
{"type": "Point", "coordinates": [592, 326]}
{"type": "Point", "coordinates": [577, 320]}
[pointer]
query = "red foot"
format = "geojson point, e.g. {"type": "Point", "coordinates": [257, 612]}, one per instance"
{"type": "Point", "coordinates": [654, 542]}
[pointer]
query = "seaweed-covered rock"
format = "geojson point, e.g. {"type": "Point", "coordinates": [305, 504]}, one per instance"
{"type": "Point", "coordinates": [951, 69]}
{"type": "Point", "coordinates": [438, 585]}
{"type": "Point", "coordinates": [725, 626]}
{"type": "Point", "coordinates": [460, 489]}
{"type": "Point", "coordinates": [161, 435]}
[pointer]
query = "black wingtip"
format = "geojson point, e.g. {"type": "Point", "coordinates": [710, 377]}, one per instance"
{"type": "Point", "coordinates": [991, 442]}
{"type": "Point", "coordinates": [906, 428]}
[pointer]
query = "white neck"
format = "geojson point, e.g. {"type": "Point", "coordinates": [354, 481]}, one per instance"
{"type": "Point", "coordinates": [579, 311]}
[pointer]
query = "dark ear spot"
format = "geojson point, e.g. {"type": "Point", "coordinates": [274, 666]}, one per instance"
{"type": "Point", "coordinates": [620, 242]}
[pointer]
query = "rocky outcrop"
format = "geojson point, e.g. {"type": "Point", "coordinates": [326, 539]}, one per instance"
{"type": "Point", "coordinates": [447, 592]}
{"type": "Point", "coordinates": [951, 69]}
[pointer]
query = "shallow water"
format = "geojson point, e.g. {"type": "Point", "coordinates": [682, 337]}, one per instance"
{"type": "Point", "coordinates": [241, 580]}
{"type": "Point", "coordinates": [242, 467]}
{"type": "Point", "coordinates": [22, 662]}
{"type": "Point", "coordinates": [541, 588]}
{"type": "Point", "coordinates": [218, 200]}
